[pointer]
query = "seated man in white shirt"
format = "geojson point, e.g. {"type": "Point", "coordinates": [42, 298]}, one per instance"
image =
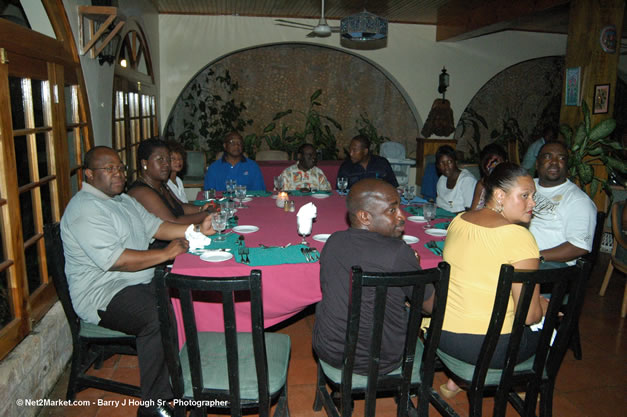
{"type": "Point", "coordinates": [564, 217]}
{"type": "Point", "coordinates": [305, 173]}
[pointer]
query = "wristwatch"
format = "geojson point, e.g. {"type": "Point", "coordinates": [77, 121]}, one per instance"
{"type": "Point", "coordinates": [197, 228]}
{"type": "Point", "coordinates": [541, 259]}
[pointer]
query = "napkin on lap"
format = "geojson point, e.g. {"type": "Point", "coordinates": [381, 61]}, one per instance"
{"type": "Point", "coordinates": [196, 239]}
{"type": "Point", "coordinates": [305, 216]}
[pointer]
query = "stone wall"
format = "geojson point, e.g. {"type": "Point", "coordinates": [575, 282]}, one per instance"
{"type": "Point", "coordinates": [32, 369]}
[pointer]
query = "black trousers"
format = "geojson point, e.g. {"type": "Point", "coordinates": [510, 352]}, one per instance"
{"type": "Point", "coordinates": [133, 310]}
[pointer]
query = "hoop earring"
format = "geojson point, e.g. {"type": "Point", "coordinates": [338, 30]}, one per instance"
{"type": "Point", "coordinates": [498, 209]}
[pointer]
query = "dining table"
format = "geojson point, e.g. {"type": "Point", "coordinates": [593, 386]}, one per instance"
{"type": "Point", "coordinates": [287, 288]}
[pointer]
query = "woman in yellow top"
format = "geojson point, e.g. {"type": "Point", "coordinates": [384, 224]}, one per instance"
{"type": "Point", "coordinates": [477, 244]}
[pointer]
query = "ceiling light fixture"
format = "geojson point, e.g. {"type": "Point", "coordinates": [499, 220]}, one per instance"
{"type": "Point", "coordinates": [363, 27]}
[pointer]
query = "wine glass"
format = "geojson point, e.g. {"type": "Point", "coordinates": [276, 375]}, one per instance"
{"type": "Point", "coordinates": [230, 186]}
{"type": "Point", "coordinates": [304, 228]}
{"type": "Point", "coordinates": [409, 193]}
{"type": "Point", "coordinates": [218, 221]}
{"type": "Point", "coordinates": [228, 208]}
{"type": "Point", "coordinates": [240, 195]}
{"type": "Point", "coordinates": [278, 183]}
{"type": "Point", "coordinates": [342, 183]}
{"type": "Point", "coordinates": [428, 211]}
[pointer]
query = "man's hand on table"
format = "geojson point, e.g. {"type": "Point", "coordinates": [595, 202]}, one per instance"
{"type": "Point", "coordinates": [417, 256]}
{"type": "Point", "coordinates": [205, 227]}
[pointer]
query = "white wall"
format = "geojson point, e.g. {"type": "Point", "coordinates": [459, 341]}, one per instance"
{"type": "Point", "coordinates": [412, 56]}
{"type": "Point", "coordinates": [99, 78]}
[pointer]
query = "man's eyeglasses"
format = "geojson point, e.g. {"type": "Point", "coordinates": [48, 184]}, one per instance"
{"type": "Point", "coordinates": [111, 169]}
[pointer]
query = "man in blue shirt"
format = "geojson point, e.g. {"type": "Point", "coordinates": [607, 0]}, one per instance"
{"type": "Point", "coordinates": [234, 166]}
{"type": "Point", "coordinates": [363, 165]}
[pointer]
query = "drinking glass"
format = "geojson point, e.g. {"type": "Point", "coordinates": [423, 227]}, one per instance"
{"type": "Point", "coordinates": [304, 228]}
{"type": "Point", "coordinates": [409, 193]}
{"type": "Point", "coordinates": [230, 186]}
{"type": "Point", "coordinates": [228, 208]}
{"type": "Point", "coordinates": [278, 183]}
{"type": "Point", "coordinates": [240, 195]}
{"type": "Point", "coordinates": [218, 221]}
{"type": "Point", "coordinates": [342, 183]}
{"type": "Point", "coordinates": [428, 211]}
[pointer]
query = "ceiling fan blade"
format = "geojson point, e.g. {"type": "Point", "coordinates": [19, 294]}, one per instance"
{"type": "Point", "coordinates": [311, 35]}
{"type": "Point", "coordinates": [294, 23]}
{"type": "Point", "coordinates": [291, 26]}
{"type": "Point", "coordinates": [335, 29]}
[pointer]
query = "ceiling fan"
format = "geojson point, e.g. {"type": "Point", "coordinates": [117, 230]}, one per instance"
{"type": "Point", "coordinates": [321, 30]}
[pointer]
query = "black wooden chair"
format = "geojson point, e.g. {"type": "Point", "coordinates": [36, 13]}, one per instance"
{"type": "Point", "coordinates": [537, 374]}
{"type": "Point", "coordinates": [223, 370]}
{"type": "Point", "coordinates": [415, 374]}
{"type": "Point", "coordinates": [91, 343]}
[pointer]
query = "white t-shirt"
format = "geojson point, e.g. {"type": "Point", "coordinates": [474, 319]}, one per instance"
{"type": "Point", "coordinates": [460, 196]}
{"type": "Point", "coordinates": [563, 213]}
{"type": "Point", "coordinates": [178, 189]}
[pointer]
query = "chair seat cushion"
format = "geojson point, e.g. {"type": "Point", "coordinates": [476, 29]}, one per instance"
{"type": "Point", "coordinates": [214, 363]}
{"type": "Point", "coordinates": [465, 370]}
{"type": "Point", "coordinates": [94, 331]}
{"type": "Point", "coordinates": [360, 381]}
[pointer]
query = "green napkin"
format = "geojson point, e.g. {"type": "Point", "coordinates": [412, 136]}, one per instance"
{"type": "Point", "coordinates": [275, 256]}
{"type": "Point", "coordinates": [439, 244]}
{"type": "Point", "coordinates": [443, 225]}
{"type": "Point", "coordinates": [298, 193]}
{"type": "Point", "coordinates": [439, 212]}
{"type": "Point", "coordinates": [203, 202]}
{"type": "Point", "coordinates": [258, 193]}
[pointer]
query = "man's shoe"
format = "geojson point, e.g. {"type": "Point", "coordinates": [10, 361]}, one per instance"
{"type": "Point", "coordinates": [155, 411]}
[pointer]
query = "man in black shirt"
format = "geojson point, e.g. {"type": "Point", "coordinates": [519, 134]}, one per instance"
{"type": "Point", "coordinates": [364, 165]}
{"type": "Point", "coordinates": [373, 242]}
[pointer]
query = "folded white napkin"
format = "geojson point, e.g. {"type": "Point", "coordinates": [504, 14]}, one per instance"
{"type": "Point", "coordinates": [196, 239]}
{"type": "Point", "coordinates": [304, 218]}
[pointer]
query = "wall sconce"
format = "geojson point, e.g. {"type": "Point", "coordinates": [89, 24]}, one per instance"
{"type": "Point", "coordinates": [443, 82]}
{"type": "Point", "coordinates": [108, 53]}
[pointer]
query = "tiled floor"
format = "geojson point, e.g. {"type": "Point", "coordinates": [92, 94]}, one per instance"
{"type": "Point", "coordinates": [595, 386]}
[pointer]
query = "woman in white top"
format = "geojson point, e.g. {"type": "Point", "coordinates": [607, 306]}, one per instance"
{"type": "Point", "coordinates": [455, 187]}
{"type": "Point", "coordinates": [177, 163]}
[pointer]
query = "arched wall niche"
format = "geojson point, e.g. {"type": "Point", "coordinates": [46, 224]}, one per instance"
{"type": "Point", "coordinates": [521, 101]}
{"type": "Point", "coordinates": [281, 76]}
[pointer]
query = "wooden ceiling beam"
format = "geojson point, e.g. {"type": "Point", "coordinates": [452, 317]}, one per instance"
{"type": "Point", "coordinates": [465, 19]}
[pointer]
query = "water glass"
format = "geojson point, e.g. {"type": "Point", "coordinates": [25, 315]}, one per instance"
{"type": "Point", "coordinates": [228, 208]}
{"type": "Point", "coordinates": [230, 186]}
{"type": "Point", "coordinates": [409, 193]}
{"type": "Point", "coordinates": [218, 221]}
{"type": "Point", "coordinates": [342, 184]}
{"type": "Point", "coordinates": [278, 183]}
{"type": "Point", "coordinates": [209, 194]}
{"type": "Point", "coordinates": [240, 195]}
{"type": "Point", "coordinates": [428, 211]}
{"type": "Point", "coordinates": [304, 226]}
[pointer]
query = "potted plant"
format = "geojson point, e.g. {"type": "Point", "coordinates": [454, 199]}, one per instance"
{"type": "Point", "coordinates": [590, 146]}
{"type": "Point", "coordinates": [366, 128]}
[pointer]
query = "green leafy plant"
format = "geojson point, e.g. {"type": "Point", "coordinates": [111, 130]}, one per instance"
{"type": "Point", "coordinates": [212, 113]}
{"type": "Point", "coordinates": [368, 129]}
{"type": "Point", "coordinates": [470, 119]}
{"type": "Point", "coordinates": [589, 146]}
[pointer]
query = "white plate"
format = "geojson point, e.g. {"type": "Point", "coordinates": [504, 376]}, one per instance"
{"type": "Point", "coordinates": [245, 229]}
{"type": "Point", "coordinates": [436, 232]}
{"type": "Point", "coordinates": [321, 238]}
{"type": "Point", "coordinates": [320, 196]}
{"type": "Point", "coordinates": [417, 219]}
{"type": "Point", "coordinates": [247, 199]}
{"type": "Point", "coordinates": [216, 256]}
{"type": "Point", "coordinates": [410, 240]}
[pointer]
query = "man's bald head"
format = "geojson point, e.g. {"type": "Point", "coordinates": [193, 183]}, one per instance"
{"type": "Point", "coordinates": [374, 205]}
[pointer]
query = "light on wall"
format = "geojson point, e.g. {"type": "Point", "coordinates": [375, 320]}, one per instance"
{"type": "Point", "coordinates": [443, 82]}
{"type": "Point", "coordinates": [108, 52]}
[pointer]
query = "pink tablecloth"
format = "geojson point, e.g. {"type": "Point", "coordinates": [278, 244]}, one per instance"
{"type": "Point", "coordinates": [289, 288]}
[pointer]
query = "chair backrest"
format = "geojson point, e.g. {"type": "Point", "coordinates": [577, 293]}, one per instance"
{"type": "Point", "coordinates": [196, 164]}
{"type": "Point", "coordinates": [380, 282]}
{"type": "Point", "coordinates": [513, 151]}
{"type": "Point", "coordinates": [617, 223]}
{"type": "Point", "coordinates": [598, 237]}
{"type": "Point", "coordinates": [394, 150]}
{"type": "Point", "coordinates": [272, 155]}
{"type": "Point", "coordinates": [56, 268]}
{"type": "Point", "coordinates": [569, 281]}
{"type": "Point", "coordinates": [245, 286]}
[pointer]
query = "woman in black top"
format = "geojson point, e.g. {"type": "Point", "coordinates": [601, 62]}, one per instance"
{"type": "Point", "coordinates": [151, 191]}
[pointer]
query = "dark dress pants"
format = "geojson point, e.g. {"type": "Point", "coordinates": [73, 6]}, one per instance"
{"type": "Point", "coordinates": [133, 310]}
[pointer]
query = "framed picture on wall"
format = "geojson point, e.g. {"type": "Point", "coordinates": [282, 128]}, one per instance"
{"type": "Point", "coordinates": [573, 86]}
{"type": "Point", "coordinates": [601, 98]}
